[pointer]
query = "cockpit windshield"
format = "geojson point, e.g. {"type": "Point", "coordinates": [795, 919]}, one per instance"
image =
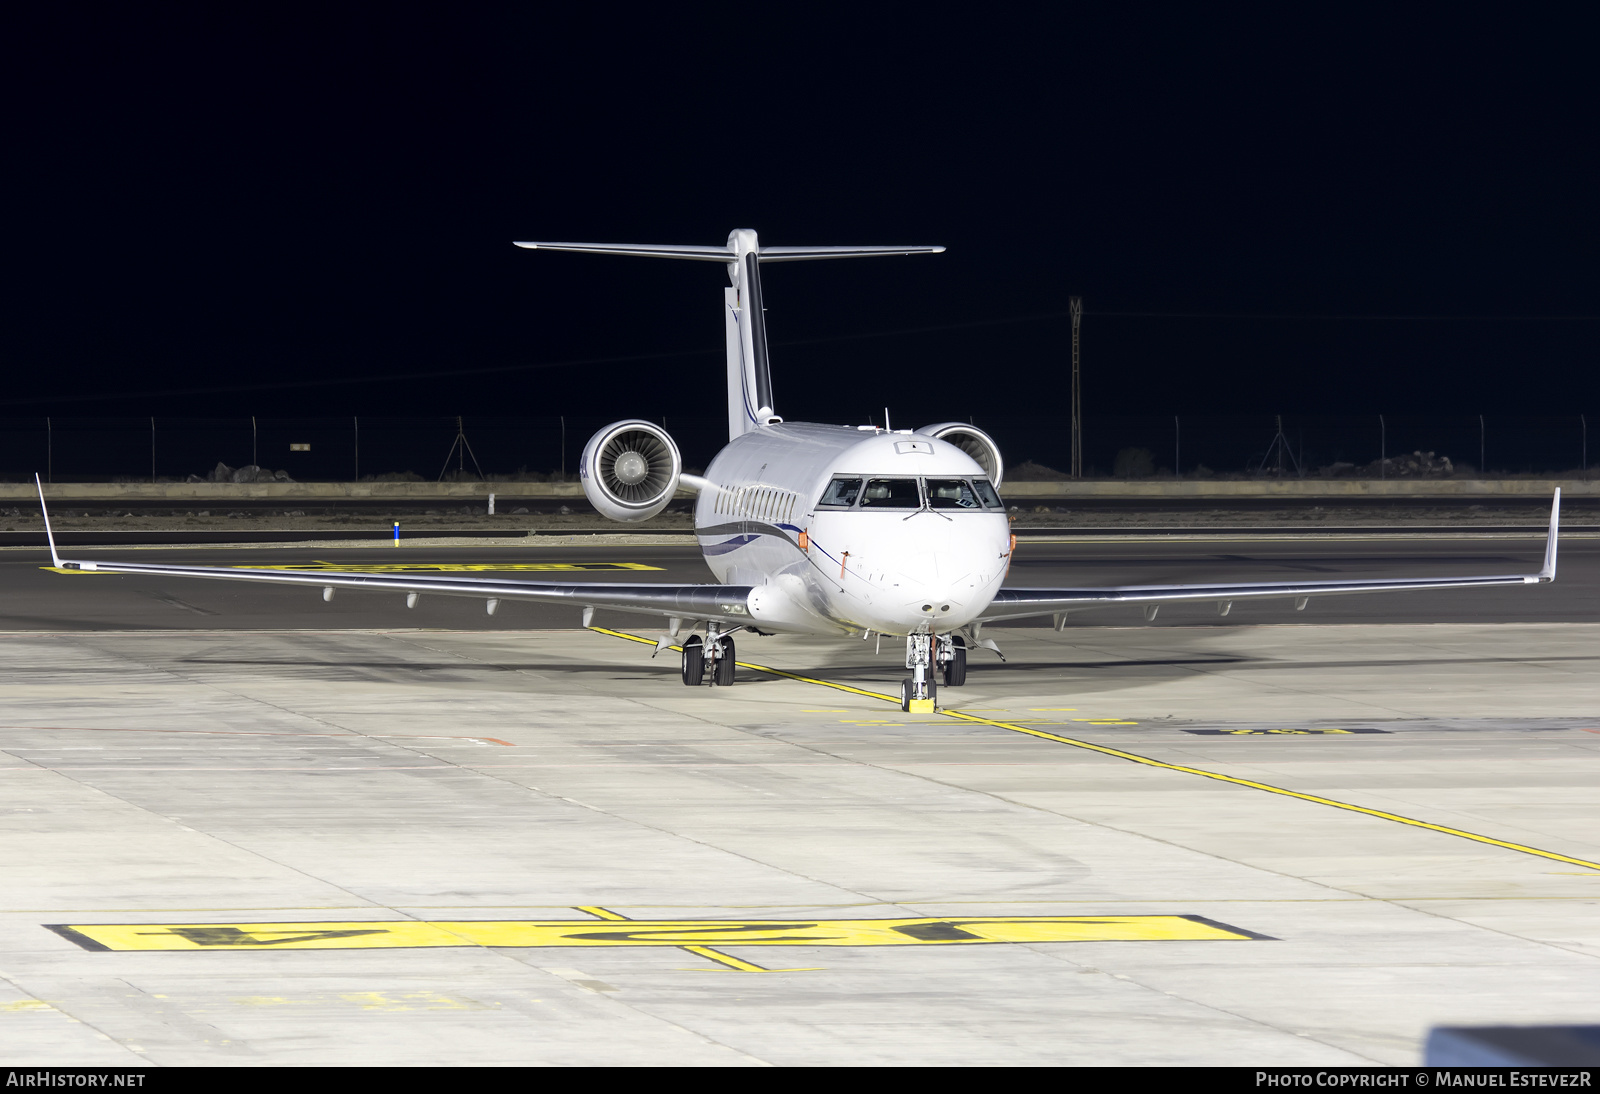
{"type": "Point", "coordinates": [891, 494]}
{"type": "Point", "coordinates": [841, 494]}
{"type": "Point", "coordinates": [850, 492]}
{"type": "Point", "coordinates": [951, 494]}
{"type": "Point", "coordinates": [987, 493]}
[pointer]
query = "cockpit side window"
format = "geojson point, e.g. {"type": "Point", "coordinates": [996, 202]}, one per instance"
{"type": "Point", "coordinates": [951, 494]}
{"type": "Point", "coordinates": [891, 494]}
{"type": "Point", "coordinates": [986, 492]}
{"type": "Point", "coordinates": [840, 494]}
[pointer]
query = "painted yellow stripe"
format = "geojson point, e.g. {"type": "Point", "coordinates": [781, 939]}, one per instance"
{"type": "Point", "coordinates": [693, 935]}
{"type": "Point", "coordinates": [1133, 757]}
{"type": "Point", "coordinates": [729, 960]}
{"type": "Point", "coordinates": [603, 913]}
{"type": "Point", "coordinates": [699, 951]}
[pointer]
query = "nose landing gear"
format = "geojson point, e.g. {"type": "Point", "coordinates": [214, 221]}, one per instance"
{"type": "Point", "coordinates": [917, 693]}
{"type": "Point", "coordinates": [953, 660]}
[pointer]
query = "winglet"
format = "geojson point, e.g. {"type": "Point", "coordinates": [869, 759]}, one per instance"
{"type": "Point", "coordinates": [1549, 571]}
{"type": "Point", "coordinates": [50, 537]}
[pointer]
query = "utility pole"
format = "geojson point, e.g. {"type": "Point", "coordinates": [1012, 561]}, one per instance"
{"type": "Point", "coordinates": [1076, 305]}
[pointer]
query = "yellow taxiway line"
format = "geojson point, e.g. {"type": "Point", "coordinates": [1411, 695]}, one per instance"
{"type": "Point", "coordinates": [1134, 757]}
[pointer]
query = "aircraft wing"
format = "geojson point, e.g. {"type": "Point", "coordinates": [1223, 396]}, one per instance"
{"type": "Point", "coordinates": [682, 601]}
{"type": "Point", "coordinates": [1022, 603]}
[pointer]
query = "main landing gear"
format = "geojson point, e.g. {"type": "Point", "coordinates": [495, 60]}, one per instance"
{"type": "Point", "coordinates": [923, 653]}
{"type": "Point", "coordinates": [716, 648]}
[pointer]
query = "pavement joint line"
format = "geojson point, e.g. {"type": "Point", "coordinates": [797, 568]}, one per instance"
{"type": "Point", "coordinates": [1133, 757]}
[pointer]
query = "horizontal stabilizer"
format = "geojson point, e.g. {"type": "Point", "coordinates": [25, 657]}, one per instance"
{"type": "Point", "coordinates": [646, 250]}
{"type": "Point", "coordinates": [750, 399]}
{"type": "Point", "coordinates": [798, 254]}
{"type": "Point", "coordinates": [727, 253]}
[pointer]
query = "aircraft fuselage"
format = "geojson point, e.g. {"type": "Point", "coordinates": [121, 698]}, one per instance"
{"type": "Point", "coordinates": [912, 541]}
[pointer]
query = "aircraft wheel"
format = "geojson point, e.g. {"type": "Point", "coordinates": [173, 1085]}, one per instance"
{"type": "Point", "coordinates": [906, 688]}
{"type": "Point", "coordinates": [955, 669]}
{"type": "Point", "coordinates": [724, 665]}
{"type": "Point", "coordinates": [694, 661]}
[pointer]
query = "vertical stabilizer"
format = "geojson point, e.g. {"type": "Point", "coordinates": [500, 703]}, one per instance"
{"type": "Point", "coordinates": [749, 373]}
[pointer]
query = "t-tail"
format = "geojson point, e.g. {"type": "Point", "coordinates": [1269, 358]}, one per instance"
{"type": "Point", "coordinates": [750, 400]}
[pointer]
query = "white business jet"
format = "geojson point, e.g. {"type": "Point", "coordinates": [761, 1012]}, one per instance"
{"type": "Point", "coordinates": [842, 530]}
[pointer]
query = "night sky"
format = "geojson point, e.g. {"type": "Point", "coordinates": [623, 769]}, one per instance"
{"type": "Point", "coordinates": [1350, 211]}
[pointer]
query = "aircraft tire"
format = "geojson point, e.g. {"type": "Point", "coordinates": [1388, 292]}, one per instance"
{"type": "Point", "coordinates": [723, 666]}
{"type": "Point", "coordinates": [694, 661]}
{"type": "Point", "coordinates": [955, 669]}
{"type": "Point", "coordinates": [905, 691]}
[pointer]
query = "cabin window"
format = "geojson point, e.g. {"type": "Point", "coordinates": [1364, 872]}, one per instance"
{"type": "Point", "coordinates": [891, 494]}
{"type": "Point", "coordinates": [986, 493]}
{"type": "Point", "coordinates": [951, 494]}
{"type": "Point", "coordinates": [840, 494]}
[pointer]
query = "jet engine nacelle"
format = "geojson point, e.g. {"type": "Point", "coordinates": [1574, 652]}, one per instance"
{"type": "Point", "coordinates": [630, 470]}
{"type": "Point", "coordinates": [974, 442]}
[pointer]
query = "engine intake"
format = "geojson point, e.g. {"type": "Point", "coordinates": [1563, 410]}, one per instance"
{"type": "Point", "coordinates": [974, 442]}
{"type": "Point", "coordinates": [630, 470]}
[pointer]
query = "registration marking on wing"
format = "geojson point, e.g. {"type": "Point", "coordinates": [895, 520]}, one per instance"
{"type": "Point", "coordinates": [450, 567]}
{"type": "Point", "coordinates": [405, 934]}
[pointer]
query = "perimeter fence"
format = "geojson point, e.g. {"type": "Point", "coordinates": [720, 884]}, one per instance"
{"type": "Point", "coordinates": [546, 448]}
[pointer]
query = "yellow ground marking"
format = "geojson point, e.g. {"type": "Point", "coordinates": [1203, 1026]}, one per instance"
{"type": "Point", "coordinates": [1280, 732]}
{"type": "Point", "coordinates": [1133, 757]}
{"type": "Point", "coordinates": [445, 567]}
{"type": "Point", "coordinates": [693, 935]}
{"type": "Point", "coordinates": [699, 951]}
{"type": "Point", "coordinates": [64, 570]}
{"type": "Point", "coordinates": [26, 1004]}
{"type": "Point", "coordinates": [370, 1000]}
